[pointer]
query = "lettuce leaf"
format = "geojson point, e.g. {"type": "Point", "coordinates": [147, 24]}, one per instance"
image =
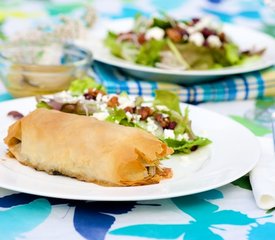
{"type": "Point", "coordinates": [78, 86]}
{"type": "Point", "coordinates": [183, 146]}
{"type": "Point", "coordinates": [122, 49]}
{"type": "Point", "coordinates": [161, 23]}
{"type": "Point", "coordinates": [111, 42]}
{"type": "Point", "coordinates": [232, 53]}
{"type": "Point", "coordinates": [43, 104]}
{"type": "Point", "coordinates": [168, 99]}
{"type": "Point", "coordinates": [149, 52]}
{"type": "Point", "coordinates": [172, 102]}
{"type": "Point", "coordinates": [197, 57]}
{"type": "Point", "coordinates": [119, 116]}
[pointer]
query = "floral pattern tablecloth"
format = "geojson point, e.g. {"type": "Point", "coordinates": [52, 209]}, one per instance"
{"type": "Point", "coordinates": [228, 212]}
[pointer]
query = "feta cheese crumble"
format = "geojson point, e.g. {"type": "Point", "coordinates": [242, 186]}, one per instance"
{"type": "Point", "coordinates": [197, 38]}
{"type": "Point", "coordinates": [168, 133]}
{"type": "Point", "coordinates": [162, 108]}
{"type": "Point", "coordinates": [214, 41]}
{"type": "Point", "coordinates": [129, 116]}
{"type": "Point", "coordinates": [65, 96]}
{"type": "Point", "coordinates": [155, 32]}
{"type": "Point", "coordinates": [183, 136]}
{"type": "Point", "coordinates": [101, 115]}
{"type": "Point", "coordinates": [125, 101]}
{"type": "Point", "coordinates": [152, 126]}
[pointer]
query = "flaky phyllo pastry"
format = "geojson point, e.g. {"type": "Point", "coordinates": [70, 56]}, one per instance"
{"type": "Point", "coordinates": [87, 149]}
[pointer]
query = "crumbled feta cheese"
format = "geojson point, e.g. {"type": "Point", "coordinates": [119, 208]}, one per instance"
{"type": "Point", "coordinates": [102, 106]}
{"type": "Point", "coordinates": [183, 136]}
{"type": "Point", "coordinates": [152, 126]}
{"type": "Point", "coordinates": [101, 115]}
{"type": "Point", "coordinates": [105, 98]}
{"type": "Point", "coordinates": [185, 37]}
{"type": "Point", "coordinates": [203, 23]}
{"type": "Point", "coordinates": [155, 32]}
{"type": "Point", "coordinates": [197, 38]}
{"type": "Point", "coordinates": [98, 97]}
{"type": "Point", "coordinates": [168, 133]}
{"type": "Point", "coordinates": [147, 104]}
{"type": "Point", "coordinates": [66, 97]}
{"type": "Point", "coordinates": [214, 41]}
{"type": "Point", "coordinates": [162, 108]}
{"type": "Point", "coordinates": [206, 22]}
{"type": "Point", "coordinates": [125, 101]}
{"type": "Point", "coordinates": [136, 118]}
{"type": "Point", "coordinates": [129, 116]}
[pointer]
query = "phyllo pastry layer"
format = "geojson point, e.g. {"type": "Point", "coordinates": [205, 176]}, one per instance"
{"type": "Point", "coordinates": [87, 149]}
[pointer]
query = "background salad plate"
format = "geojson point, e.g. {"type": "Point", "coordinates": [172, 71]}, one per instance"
{"type": "Point", "coordinates": [245, 38]}
{"type": "Point", "coordinates": [233, 153]}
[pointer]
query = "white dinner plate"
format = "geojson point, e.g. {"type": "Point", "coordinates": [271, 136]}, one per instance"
{"type": "Point", "coordinates": [244, 37]}
{"type": "Point", "coordinates": [233, 153]}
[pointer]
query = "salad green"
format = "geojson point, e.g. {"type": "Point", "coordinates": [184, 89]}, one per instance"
{"type": "Point", "coordinates": [199, 44]}
{"type": "Point", "coordinates": [160, 116]}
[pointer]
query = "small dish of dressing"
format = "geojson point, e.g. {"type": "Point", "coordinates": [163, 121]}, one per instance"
{"type": "Point", "coordinates": [29, 70]}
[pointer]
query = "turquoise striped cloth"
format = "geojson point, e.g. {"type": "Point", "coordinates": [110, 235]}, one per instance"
{"type": "Point", "coordinates": [252, 85]}
{"type": "Point", "coordinates": [237, 87]}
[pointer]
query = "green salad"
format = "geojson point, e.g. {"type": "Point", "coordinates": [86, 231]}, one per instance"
{"type": "Point", "coordinates": [196, 44]}
{"type": "Point", "coordinates": [160, 116]}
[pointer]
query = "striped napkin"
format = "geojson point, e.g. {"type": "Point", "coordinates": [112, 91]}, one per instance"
{"type": "Point", "coordinates": [238, 87]}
